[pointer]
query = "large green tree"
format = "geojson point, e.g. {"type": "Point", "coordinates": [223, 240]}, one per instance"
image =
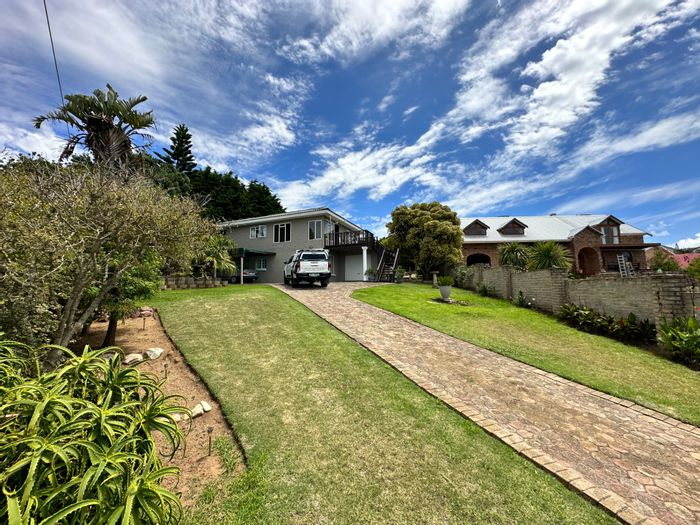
{"type": "Point", "coordinates": [261, 201]}
{"type": "Point", "coordinates": [70, 233]}
{"type": "Point", "coordinates": [165, 175]}
{"type": "Point", "coordinates": [427, 234]}
{"type": "Point", "coordinates": [102, 122]}
{"type": "Point", "coordinates": [179, 154]}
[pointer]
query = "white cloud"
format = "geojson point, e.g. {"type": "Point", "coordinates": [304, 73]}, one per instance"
{"type": "Point", "coordinates": [346, 30]}
{"type": "Point", "coordinates": [387, 101]}
{"type": "Point", "coordinates": [409, 111]}
{"type": "Point", "coordinates": [659, 229]}
{"type": "Point", "coordinates": [380, 171]}
{"type": "Point", "coordinates": [41, 141]}
{"type": "Point", "coordinates": [631, 197]}
{"type": "Point", "coordinates": [690, 242]}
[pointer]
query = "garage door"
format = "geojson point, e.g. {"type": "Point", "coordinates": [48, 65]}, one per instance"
{"type": "Point", "coordinates": [353, 267]}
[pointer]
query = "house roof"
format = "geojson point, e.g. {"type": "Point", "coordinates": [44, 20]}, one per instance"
{"type": "Point", "coordinates": [542, 227]}
{"type": "Point", "coordinates": [684, 259]}
{"type": "Point", "coordinates": [289, 215]}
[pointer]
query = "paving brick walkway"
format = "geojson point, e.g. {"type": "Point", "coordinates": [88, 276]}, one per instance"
{"type": "Point", "coordinates": [639, 464]}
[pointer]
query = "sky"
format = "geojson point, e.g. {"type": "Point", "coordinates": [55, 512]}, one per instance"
{"type": "Point", "coordinates": [491, 107]}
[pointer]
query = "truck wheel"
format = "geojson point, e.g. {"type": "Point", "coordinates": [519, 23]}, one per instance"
{"type": "Point", "coordinates": [286, 281]}
{"type": "Point", "coordinates": [295, 282]}
{"type": "Point", "coordinates": [324, 283]}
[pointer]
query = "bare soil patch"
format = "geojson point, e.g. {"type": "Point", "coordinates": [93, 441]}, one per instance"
{"type": "Point", "coordinates": [197, 468]}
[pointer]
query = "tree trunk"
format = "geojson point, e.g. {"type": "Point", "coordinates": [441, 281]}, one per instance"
{"type": "Point", "coordinates": [111, 335]}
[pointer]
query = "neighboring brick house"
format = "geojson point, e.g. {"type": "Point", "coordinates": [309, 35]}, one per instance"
{"type": "Point", "coordinates": [594, 241]}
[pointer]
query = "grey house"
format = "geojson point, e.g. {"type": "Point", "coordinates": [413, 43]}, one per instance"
{"type": "Point", "coordinates": [265, 243]}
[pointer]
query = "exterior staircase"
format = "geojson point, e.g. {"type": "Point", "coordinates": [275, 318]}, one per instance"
{"type": "Point", "coordinates": [387, 266]}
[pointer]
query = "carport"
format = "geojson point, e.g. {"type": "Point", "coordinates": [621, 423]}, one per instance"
{"type": "Point", "coordinates": [240, 254]}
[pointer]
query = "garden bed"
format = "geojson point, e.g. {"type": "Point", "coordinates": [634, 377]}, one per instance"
{"type": "Point", "coordinates": [198, 469]}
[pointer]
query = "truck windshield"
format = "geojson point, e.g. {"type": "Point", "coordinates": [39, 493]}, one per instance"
{"type": "Point", "coordinates": [313, 257]}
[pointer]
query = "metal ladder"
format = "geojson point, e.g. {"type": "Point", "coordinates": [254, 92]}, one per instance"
{"type": "Point", "coordinates": [625, 266]}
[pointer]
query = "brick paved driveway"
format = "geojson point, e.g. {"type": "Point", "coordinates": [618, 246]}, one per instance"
{"type": "Point", "coordinates": [639, 464]}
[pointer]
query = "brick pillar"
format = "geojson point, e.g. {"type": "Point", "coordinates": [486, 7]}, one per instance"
{"type": "Point", "coordinates": [669, 291]}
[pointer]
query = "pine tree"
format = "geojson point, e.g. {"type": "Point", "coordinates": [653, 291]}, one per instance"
{"type": "Point", "coordinates": [180, 152]}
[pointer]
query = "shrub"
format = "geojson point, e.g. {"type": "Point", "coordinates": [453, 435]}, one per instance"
{"type": "Point", "coordinates": [464, 275]}
{"type": "Point", "coordinates": [693, 269]}
{"type": "Point", "coordinates": [663, 261]}
{"type": "Point", "coordinates": [549, 254]}
{"type": "Point", "coordinates": [77, 442]}
{"type": "Point", "coordinates": [399, 274]}
{"type": "Point", "coordinates": [682, 338]}
{"type": "Point", "coordinates": [514, 254]}
{"type": "Point", "coordinates": [628, 328]}
{"type": "Point", "coordinates": [445, 280]}
{"type": "Point", "coordinates": [522, 301]}
{"type": "Point", "coordinates": [486, 291]}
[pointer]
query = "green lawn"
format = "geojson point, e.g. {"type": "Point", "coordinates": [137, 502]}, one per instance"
{"type": "Point", "coordinates": [542, 341]}
{"type": "Point", "coordinates": [334, 435]}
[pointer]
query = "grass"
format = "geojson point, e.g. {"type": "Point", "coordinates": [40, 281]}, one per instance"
{"type": "Point", "coordinates": [542, 341]}
{"type": "Point", "coordinates": [334, 435]}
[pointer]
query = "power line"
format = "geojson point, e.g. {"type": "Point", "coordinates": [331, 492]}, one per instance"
{"type": "Point", "coordinates": [55, 61]}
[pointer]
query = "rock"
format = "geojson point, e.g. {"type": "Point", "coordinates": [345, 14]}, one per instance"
{"type": "Point", "coordinates": [154, 353]}
{"type": "Point", "coordinates": [131, 359]}
{"type": "Point", "coordinates": [177, 417]}
{"type": "Point", "coordinates": [198, 410]}
{"type": "Point", "coordinates": [205, 406]}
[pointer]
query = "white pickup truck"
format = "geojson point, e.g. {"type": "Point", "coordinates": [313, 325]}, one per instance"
{"type": "Point", "coordinates": [308, 266]}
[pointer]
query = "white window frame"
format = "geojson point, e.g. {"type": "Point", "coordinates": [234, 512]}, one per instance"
{"type": "Point", "coordinates": [261, 264]}
{"type": "Point", "coordinates": [611, 233]}
{"type": "Point", "coordinates": [276, 236]}
{"type": "Point", "coordinates": [317, 227]}
{"type": "Point", "coordinates": [258, 232]}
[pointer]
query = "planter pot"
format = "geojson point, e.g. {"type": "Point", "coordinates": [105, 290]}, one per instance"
{"type": "Point", "coordinates": [399, 280]}
{"type": "Point", "coordinates": [445, 292]}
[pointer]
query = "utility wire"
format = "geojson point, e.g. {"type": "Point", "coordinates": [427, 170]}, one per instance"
{"type": "Point", "coordinates": [55, 61]}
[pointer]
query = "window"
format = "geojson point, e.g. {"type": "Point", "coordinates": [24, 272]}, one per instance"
{"type": "Point", "coordinates": [258, 232]}
{"type": "Point", "coordinates": [314, 256]}
{"type": "Point", "coordinates": [315, 231]}
{"type": "Point", "coordinates": [475, 228]}
{"type": "Point", "coordinates": [283, 232]}
{"type": "Point", "coordinates": [513, 227]}
{"type": "Point", "coordinates": [611, 235]}
{"type": "Point", "coordinates": [261, 264]}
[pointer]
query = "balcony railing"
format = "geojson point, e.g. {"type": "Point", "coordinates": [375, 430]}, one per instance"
{"type": "Point", "coordinates": [361, 238]}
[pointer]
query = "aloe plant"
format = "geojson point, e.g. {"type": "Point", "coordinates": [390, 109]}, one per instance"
{"type": "Point", "coordinates": [77, 443]}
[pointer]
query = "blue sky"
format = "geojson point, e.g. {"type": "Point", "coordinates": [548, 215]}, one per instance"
{"type": "Point", "coordinates": [491, 107]}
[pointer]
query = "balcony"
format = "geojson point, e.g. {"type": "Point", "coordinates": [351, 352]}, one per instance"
{"type": "Point", "coordinates": [347, 239]}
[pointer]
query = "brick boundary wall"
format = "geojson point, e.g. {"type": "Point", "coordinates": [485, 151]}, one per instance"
{"type": "Point", "coordinates": [649, 296]}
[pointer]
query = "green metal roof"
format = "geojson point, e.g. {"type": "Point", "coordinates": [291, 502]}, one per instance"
{"type": "Point", "coordinates": [247, 252]}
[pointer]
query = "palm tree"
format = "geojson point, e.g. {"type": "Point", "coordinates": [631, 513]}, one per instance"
{"type": "Point", "coordinates": [514, 254]}
{"type": "Point", "coordinates": [549, 254]}
{"type": "Point", "coordinates": [217, 255]}
{"type": "Point", "coordinates": [106, 124]}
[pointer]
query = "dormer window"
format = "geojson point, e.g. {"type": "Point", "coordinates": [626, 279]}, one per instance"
{"type": "Point", "coordinates": [611, 234]}
{"type": "Point", "coordinates": [513, 227]}
{"type": "Point", "coordinates": [610, 228]}
{"type": "Point", "coordinates": [476, 228]}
